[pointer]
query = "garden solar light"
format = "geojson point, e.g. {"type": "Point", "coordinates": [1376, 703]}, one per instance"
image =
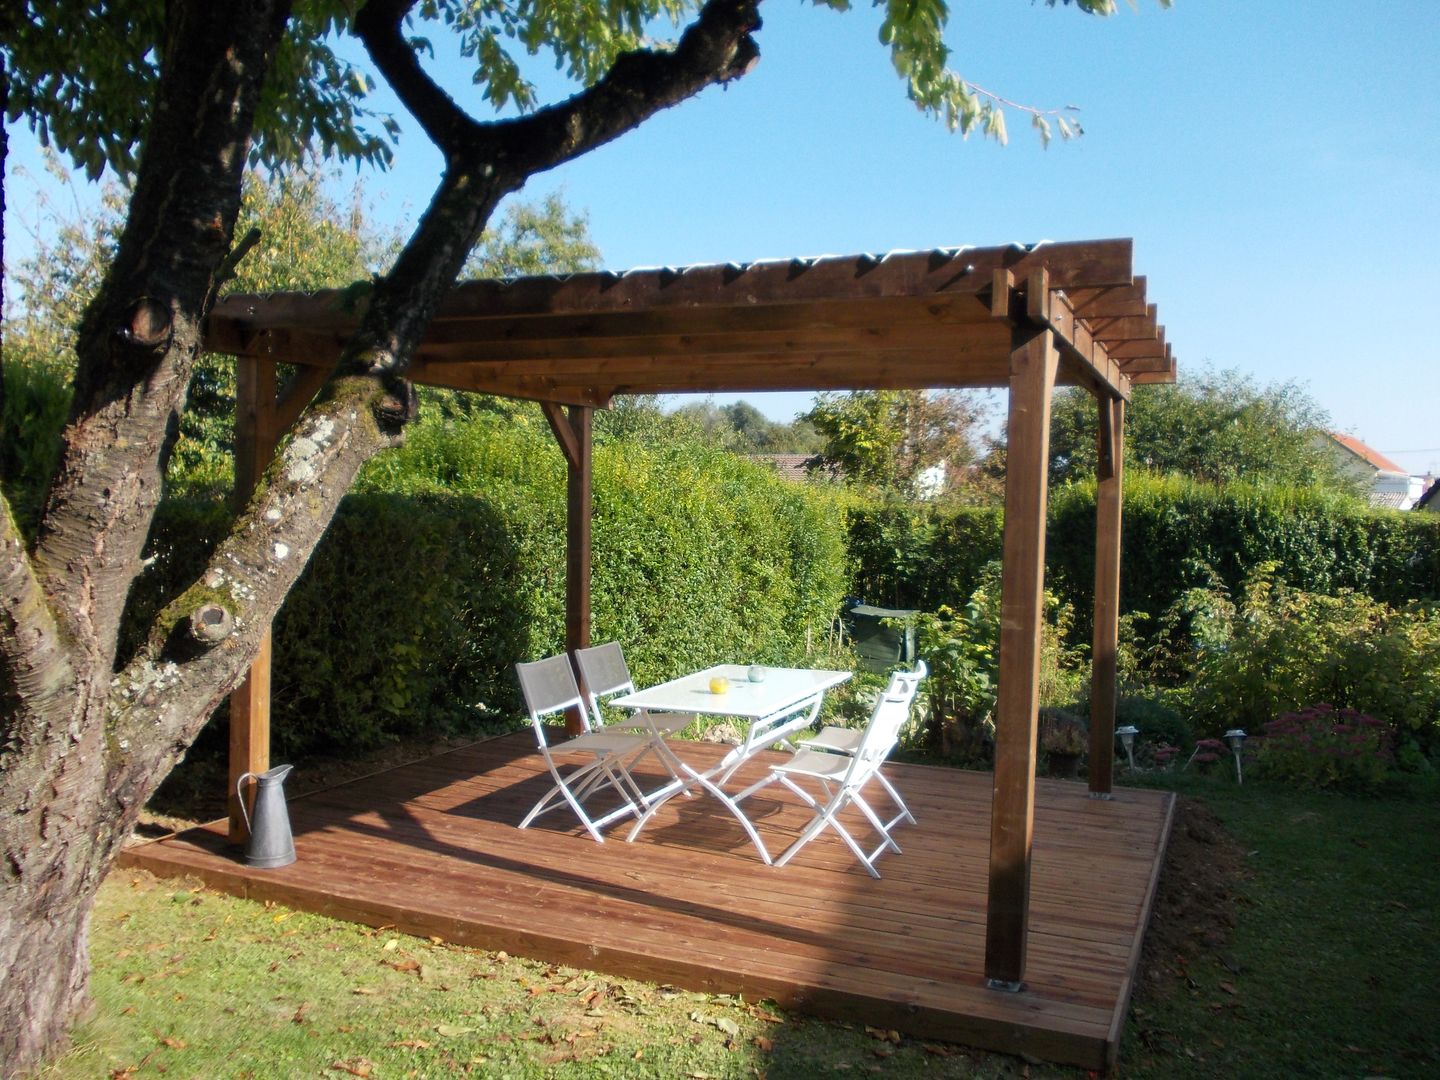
{"type": "Point", "coordinates": [1235, 738]}
{"type": "Point", "coordinates": [1127, 740]}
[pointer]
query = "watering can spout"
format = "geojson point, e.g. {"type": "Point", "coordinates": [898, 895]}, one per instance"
{"type": "Point", "coordinates": [271, 843]}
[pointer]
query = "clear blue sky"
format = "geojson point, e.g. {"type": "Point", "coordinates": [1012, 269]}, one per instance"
{"type": "Point", "coordinates": [1277, 164]}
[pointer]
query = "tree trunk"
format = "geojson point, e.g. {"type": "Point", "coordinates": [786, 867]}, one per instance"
{"type": "Point", "coordinates": [82, 745]}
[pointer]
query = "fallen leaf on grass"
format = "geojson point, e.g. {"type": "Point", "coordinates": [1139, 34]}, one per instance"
{"type": "Point", "coordinates": [402, 965]}
{"type": "Point", "coordinates": [938, 1051]}
{"type": "Point", "coordinates": [763, 1044]}
{"type": "Point", "coordinates": [299, 1017]}
{"type": "Point", "coordinates": [883, 1034]}
{"type": "Point", "coordinates": [410, 1044]}
{"type": "Point", "coordinates": [1229, 988]}
{"type": "Point", "coordinates": [366, 991]}
{"type": "Point", "coordinates": [172, 1043]}
{"type": "Point", "coordinates": [355, 1066]}
{"type": "Point", "coordinates": [763, 1014]}
{"type": "Point", "coordinates": [451, 1031]}
{"type": "Point", "coordinates": [391, 945]}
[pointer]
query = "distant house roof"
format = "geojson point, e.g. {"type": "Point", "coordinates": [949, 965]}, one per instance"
{"type": "Point", "coordinates": [1367, 454]}
{"type": "Point", "coordinates": [789, 466]}
{"type": "Point", "coordinates": [1429, 501]}
{"type": "Point", "coordinates": [1390, 500]}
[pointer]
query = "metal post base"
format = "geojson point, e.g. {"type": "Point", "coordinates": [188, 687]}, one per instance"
{"type": "Point", "coordinates": [1004, 986]}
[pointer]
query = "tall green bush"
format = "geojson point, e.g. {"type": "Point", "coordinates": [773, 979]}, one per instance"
{"type": "Point", "coordinates": [446, 565]}
{"type": "Point", "coordinates": [1178, 535]}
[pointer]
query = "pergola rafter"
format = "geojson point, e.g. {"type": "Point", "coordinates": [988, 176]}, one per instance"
{"type": "Point", "coordinates": [1024, 318]}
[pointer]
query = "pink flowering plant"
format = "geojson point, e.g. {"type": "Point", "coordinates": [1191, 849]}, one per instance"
{"type": "Point", "coordinates": [1322, 746]}
{"type": "Point", "coordinates": [1208, 752]}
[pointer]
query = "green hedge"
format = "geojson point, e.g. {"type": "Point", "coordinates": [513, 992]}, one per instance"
{"type": "Point", "coordinates": [1176, 533]}
{"type": "Point", "coordinates": [446, 565]}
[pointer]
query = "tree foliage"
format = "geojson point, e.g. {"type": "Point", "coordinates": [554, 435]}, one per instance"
{"type": "Point", "coordinates": [888, 439]}
{"type": "Point", "coordinates": [1217, 427]}
{"type": "Point", "coordinates": [742, 427]}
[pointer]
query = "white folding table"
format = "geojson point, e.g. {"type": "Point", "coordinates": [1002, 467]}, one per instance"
{"type": "Point", "coordinates": [783, 702]}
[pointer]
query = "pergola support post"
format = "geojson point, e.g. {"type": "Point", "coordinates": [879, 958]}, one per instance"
{"type": "Point", "coordinates": [573, 433]}
{"type": "Point", "coordinates": [1034, 362]}
{"type": "Point", "coordinates": [1105, 643]}
{"type": "Point", "coordinates": [256, 433]}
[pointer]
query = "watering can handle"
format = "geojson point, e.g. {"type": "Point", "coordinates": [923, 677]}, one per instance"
{"type": "Point", "coordinates": [241, 798]}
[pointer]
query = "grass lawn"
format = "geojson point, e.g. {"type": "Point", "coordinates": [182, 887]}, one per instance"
{"type": "Point", "coordinates": [1297, 935]}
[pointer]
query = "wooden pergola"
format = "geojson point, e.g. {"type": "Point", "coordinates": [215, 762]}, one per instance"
{"type": "Point", "coordinates": [1025, 318]}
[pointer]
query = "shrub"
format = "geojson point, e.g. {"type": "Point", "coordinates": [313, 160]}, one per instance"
{"type": "Point", "coordinates": [1279, 648]}
{"type": "Point", "coordinates": [1180, 535]}
{"type": "Point", "coordinates": [1322, 746]}
{"type": "Point", "coordinates": [962, 649]}
{"type": "Point", "coordinates": [446, 565]}
{"type": "Point", "coordinates": [1159, 724]}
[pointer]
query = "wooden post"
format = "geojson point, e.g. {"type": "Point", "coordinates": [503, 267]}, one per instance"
{"type": "Point", "coordinates": [1110, 476]}
{"type": "Point", "coordinates": [573, 433]}
{"type": "Point", "coordinates": [255, 438]}
{"type": "Point", "coordinates": [1033, 364]}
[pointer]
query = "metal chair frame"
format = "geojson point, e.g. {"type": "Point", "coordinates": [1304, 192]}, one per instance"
{"type": "Point", "coordinates": [842, 777]}
{"type": "Point", "coordinates": [549, 688]}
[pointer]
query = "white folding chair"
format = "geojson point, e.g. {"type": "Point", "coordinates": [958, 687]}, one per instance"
{"type": "Point", "coordinates": [549, 688]}
{"type": "Point", "coordinates": [843, 776]}
{"type": "Point", "coordinates": [840, 740]}
{"type": "Point", "coordinates": [605, 675]}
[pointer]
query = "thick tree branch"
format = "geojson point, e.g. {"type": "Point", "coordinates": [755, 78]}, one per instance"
{"type": "Point", "coordinates": [140, 336]}
{"type": "Point", "coordinates": [717, 48]}
{"type": "Point", "coordinates": [196, 656]}
{"type": "Point", "coordinates": [494, 159]}
{"type": "Point", "coordinates": [379, 27]}
{"type": "Point", "coordinates": [34, 667]}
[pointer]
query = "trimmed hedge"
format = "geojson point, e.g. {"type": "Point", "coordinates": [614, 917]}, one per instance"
{"type": "Point", "coordinates": [1176, 532]}
{"type": "Point", "coordinates": [446, 565]}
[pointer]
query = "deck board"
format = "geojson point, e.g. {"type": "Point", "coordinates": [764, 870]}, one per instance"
{"type": "Point", "coordinates": [432, 848]}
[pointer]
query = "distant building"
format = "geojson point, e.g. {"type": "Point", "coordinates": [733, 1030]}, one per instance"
{"type": "Point", "coordinates": [1431, 499]}
{"type": "Point", "coordinates": [1390, 485]}
{"type": "Point", "coordinates": [789, 466]}
{"type": "Point", "coordinates": [930, 481]}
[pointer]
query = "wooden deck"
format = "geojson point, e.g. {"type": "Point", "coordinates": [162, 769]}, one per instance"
{"type": "Point", "coordinates": [432, 848]}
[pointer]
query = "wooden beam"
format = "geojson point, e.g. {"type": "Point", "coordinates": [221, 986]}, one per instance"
{"type": "Point", "coordinates": [256, 434]}
{"type": "Point", "coordinates": [1136, 349]}
{"type": "Point", "coordinates": [298, 393]}
{"type": "Point", "coordinates": [1137, 365]}
{"type": "Point", "coordinates": [946, 272]}
{"type": "Point", "coordinates": [1108, 502]}
{"type": "Point", "coordinates": [1100, 372]}
{"type": "Point", "coordinates": [1002, 285]}
{"type": "Point", "coordinates": [538, 355]}
{"type": "Point", "coordinates": [577, 541]}
{"type": "Point", "coordinates": [1034, 363]}
{"type": "Point", "coordinates": [564, 433]}
{"type": "Point", "coordinates": [1094, 303]}
{"type": "Point", "coordinates": [960, 365]}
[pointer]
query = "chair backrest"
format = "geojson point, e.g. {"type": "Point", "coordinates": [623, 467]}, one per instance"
{"type": "Point", "coordinates": [888, 717]}
{"type": "Point", "coordinates": [549, 687]}
{"type": "Point", "coordinates": [605, 674]}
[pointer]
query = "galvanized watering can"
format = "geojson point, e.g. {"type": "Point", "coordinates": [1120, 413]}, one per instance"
{"type": "Point", "coordinates": [270, 842]}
